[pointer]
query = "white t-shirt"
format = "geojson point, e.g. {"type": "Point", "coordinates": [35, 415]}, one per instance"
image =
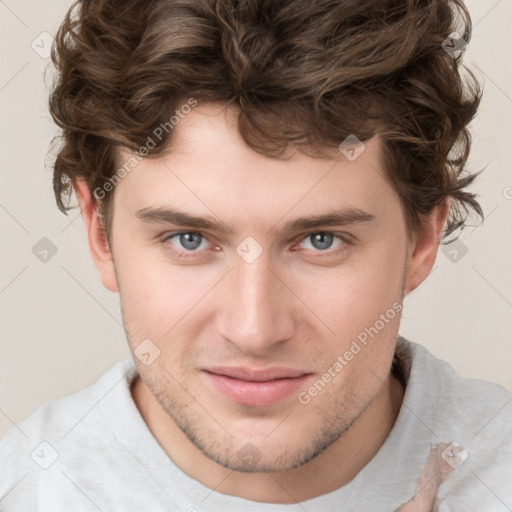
{"type": "Point", "coordinates": [92, 451]}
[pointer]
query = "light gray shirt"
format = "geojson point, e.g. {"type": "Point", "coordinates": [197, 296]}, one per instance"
{"type": "Point", "coordinates": [450, 450]}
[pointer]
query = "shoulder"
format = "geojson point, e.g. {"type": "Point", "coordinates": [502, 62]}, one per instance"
{"type": "Point", "coordinates": [58, 416]}
{"type": "Point", "coordinates": [30, 448]}
{"type": "Point", "coordinates": [473, 418]}
{"type": "Point", "coordinates": [473, 402]}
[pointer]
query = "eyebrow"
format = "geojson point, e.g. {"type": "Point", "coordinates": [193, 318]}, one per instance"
{"type": "Point", "coordinates": [166, 215]}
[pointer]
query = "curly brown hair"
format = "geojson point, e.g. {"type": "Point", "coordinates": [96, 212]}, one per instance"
{"type": "Point", "coordinates": [302, 72]}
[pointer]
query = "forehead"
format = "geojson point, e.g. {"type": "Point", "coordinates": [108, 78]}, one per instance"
{"type": "Point", "coordinates": [209, 164]}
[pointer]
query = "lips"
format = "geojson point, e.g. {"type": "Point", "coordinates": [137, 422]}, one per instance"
{"type": "Point", "coordinates": [255, 375]}
{"type": "Point", "coordinates": [255, 387]}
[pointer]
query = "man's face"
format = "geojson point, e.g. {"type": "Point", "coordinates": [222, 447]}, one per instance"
{"type": "Point", "coordinates": [249, 316]}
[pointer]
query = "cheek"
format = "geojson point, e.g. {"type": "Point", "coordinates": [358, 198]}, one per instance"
{"type": "Point", "coordinates": [361, 303]}
{"type": "Point", "coordinates": [352, 297]}
{"type": "Point", "coordinates": [158, 298]}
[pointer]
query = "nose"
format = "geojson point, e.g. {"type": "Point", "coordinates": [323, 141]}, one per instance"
{"type": "Point", "coordinates": [255, 307]}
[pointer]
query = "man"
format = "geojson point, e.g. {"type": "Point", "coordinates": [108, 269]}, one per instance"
{"type": "Point", "coordinates": [263, 182]}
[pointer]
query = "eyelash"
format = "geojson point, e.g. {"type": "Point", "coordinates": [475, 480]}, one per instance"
{"type": "Point", "coordinates": [345, 242]}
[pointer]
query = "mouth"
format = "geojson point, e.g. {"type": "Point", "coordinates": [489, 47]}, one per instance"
{"type": "Point", "coordinates": [254, 387]}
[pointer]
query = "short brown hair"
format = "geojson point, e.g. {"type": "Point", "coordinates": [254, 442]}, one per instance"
{"type": "Point", "coordinates": [302, 72]}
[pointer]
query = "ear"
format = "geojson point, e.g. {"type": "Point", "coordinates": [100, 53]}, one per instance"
{"type": "Point", "coordinates": [98, 243]}
{"type": "Point", "coordinates": [423, 249]}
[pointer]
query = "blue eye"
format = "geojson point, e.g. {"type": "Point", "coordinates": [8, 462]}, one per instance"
{"type": "Point", "coordinates": [189, 241]}
{"type": "Point", "coordinates": [322, 241]}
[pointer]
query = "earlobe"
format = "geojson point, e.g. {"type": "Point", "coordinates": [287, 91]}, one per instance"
{"type": "Point", "coordinates": [98, 244]}
{"type": "Point", "coordinates": [423, 249]}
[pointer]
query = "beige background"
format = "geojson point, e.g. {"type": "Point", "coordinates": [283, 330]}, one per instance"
{"type": "Point", "coordinates": [60, 329]}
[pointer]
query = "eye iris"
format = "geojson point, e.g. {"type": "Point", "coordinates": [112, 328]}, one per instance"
{"type": "Point", "coordinates": [321, 240]}
{"type": "Point", "coordinates": [188, 242]}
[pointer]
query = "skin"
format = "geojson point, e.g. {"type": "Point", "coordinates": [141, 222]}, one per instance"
{"type": "Point", "coordinates": [298, 305]}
